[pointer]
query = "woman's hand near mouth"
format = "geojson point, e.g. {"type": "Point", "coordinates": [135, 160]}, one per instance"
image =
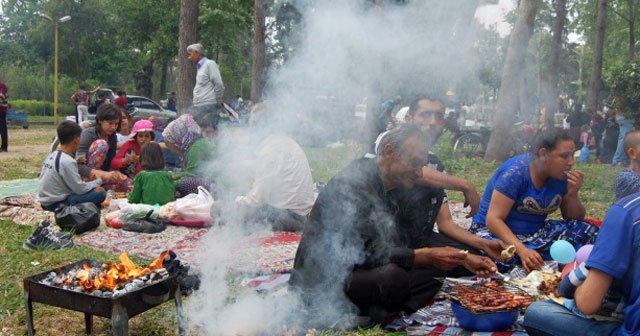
{"type": "Point", "coordinates": [574, 181]}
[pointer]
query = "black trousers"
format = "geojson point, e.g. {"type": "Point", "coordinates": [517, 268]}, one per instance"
{"type": "Point", "coordinates": [3, 131]}
{"type": "Point", "coordinates": [393, 288]}
{"type": "Point", "coordinates": [279, 219]}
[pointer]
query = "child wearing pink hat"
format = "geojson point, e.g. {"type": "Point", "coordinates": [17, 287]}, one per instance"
{"type": "Point", "coordinates": [127, 160]}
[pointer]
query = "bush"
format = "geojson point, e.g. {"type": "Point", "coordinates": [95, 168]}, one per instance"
{"type": "Point", "coordinates": [38, 107]}
{"type": "Point", "coordinates": [626, 88]}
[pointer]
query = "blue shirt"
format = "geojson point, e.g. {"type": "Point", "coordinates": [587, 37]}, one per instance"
{"type": "Point", "coordinates": [201, 62]}
{"type": "Point", "coordinates": [531, 205]}
{"type": "Point", "coordinates": [616, 253]}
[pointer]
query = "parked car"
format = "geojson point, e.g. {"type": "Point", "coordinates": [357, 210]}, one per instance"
{"type": "Point", "coordinates": [138, 107]}
{"type": "Point", "coordinates": [142, 107]}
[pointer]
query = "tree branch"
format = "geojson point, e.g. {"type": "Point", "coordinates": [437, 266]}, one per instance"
{"type": "Point", "coordinates": [618, 13]}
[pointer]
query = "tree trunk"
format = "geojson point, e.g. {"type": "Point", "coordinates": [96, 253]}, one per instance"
{"type": "Point", "coordinates": [163, 80]}
{"type": "Point", "coordinates": [499, 144]}
{"type": "Point", "coordinates": [523, 110]}
{"type": "Point", "coordinates": [144, 84]}
{"type": "Point", "coordinates": [596, 67]}
{"type": "Point", "coordinates": [259, 63]}
{"type": "Point", "coordinates": [632, 29]}
{"type": "Point", "coordinates": [187, 34]}
{"type": "Point", "coordinates": [554, 60]}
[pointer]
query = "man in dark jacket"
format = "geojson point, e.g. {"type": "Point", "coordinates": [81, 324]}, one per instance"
{"type": "Point", "coordinates": [356, 251]}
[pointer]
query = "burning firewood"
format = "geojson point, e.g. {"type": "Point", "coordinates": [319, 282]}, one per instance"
{"type": "Point", "coordinates": [110, 279]}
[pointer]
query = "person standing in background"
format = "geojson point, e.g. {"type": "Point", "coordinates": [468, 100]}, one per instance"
{"type": "Point", "coordinates": [209, 89]}
{"type": "Point", "coordinates": [121, 101]}
{"type": "Point", "coordinates": [4, 107]}
{"type": "Point", "coordinates": [81, 99]}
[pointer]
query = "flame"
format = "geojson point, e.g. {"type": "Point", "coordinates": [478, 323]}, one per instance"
{"type": "Point", "coordinates": [110, 275]}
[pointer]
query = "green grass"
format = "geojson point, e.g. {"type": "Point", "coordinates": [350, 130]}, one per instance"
{"type": "Point", "coordinates": [20, 263]}
{"type": "Point", "coordinates": [597, 194]}
{"type": "Point", "coordinates": [325, 162]}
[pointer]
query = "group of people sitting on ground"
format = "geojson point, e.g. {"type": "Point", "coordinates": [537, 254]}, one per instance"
{"type": "Point", "coordinates": [113, 156]}
{"type": "Point", "coordinates": [380, 234]}
{"type": "Point", "coordinates": [118, 165]}
{"type": "Point", "coordinates": [369, 245]}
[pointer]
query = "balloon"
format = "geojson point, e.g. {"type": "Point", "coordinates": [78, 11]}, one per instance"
{"type": "Point", "coordinates": [568, 268]}
{"type": "Point", "coordinates": [563, 252]}
{"type": "Point", "coordinates": [583, 253]}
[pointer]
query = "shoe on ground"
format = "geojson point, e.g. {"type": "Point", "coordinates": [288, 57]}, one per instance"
{"type": "Point", "coordinates": [41, 239]}
{"type": "Point", "coordinates": [53, 231]}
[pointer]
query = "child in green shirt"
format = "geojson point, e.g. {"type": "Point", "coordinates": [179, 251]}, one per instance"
{"type": "Point", "coordinates": [153, 185]}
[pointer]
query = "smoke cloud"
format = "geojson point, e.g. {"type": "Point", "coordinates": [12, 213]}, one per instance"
{"type": "Point", "coordinates": [348, 50]}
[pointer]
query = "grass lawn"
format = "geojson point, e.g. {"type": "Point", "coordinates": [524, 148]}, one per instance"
{"type": "Point", "coordinates": [597, 193]}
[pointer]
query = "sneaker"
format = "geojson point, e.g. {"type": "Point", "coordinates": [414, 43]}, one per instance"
{"type": "Point", "coordinates": [41, 239]}
{"type": "Point", "coordinates": [53, 231]}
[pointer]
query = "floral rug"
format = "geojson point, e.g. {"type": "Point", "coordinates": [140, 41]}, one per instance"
{"type": "Point", "coordinates": [182, 240]}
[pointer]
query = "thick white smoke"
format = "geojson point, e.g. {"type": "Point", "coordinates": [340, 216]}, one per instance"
{"type": "Point", "coordinates": [348, 49]}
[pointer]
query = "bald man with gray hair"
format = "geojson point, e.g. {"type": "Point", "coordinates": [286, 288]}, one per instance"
{"type": "Point", "coordinates": [209, 89]}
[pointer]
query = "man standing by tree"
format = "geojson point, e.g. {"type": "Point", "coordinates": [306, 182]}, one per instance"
{"type": "Point", "coordinates": [4, 107]}
{"type": "Point", "coordinates": [209, 89]}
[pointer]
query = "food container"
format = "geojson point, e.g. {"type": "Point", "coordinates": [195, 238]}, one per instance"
{"type": "Point", "coordinates": [490, 321]}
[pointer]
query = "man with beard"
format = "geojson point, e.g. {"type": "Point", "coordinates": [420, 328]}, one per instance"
{"type": "Point", "coordinates": [361, 248]}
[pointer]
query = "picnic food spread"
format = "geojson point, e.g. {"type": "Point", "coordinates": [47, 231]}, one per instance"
{"type": "Point", "coordinates": [490, 297]}
{"type": "Point", "coordinates": [549, 286]}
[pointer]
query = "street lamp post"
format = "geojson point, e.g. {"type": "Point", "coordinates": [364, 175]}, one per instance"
{"type": "Point", "coordinates": [56, 23]}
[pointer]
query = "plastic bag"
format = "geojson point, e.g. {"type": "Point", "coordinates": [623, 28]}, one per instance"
{"type": "Point", "coordinates": [78, 218]}
{"type": "Point", "coordinates": [584, 154]}
{"type": "Point", "coordinates": [168, 211]}
{"type": "Point", "coordinates": [112, 219]}
{"type": "Point", "coordinates": [137, 211]}
{"type": "Point", "coordinates": [196, 206]}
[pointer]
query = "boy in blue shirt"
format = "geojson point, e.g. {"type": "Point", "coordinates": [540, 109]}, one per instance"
{"type": "Point", "coordinates": [614, 259]}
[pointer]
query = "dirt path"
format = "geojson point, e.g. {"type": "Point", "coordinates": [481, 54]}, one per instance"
{"type": "Point", "coordinates": [24, 150]}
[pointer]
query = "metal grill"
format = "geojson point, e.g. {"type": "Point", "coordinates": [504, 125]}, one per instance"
{"type": "Point", "coordinates": [119, 309]}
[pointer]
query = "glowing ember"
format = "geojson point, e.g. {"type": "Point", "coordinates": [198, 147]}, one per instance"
{"type": "Point", "coordinates": [110, 275]}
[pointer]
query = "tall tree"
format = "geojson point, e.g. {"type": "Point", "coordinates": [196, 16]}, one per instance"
{"type": "Point", "coordinates": [187, 34]}
{"type": "Point", "coordinates": [554, 59]}
{"type": "Point", "coordinates": [498, 148]}
{"type": "Point", "coordinates": [627, 10]}
{"type": "Point", "coordinates": [258, 72]}
{"type": "Point", "coordinates": [596, 67]}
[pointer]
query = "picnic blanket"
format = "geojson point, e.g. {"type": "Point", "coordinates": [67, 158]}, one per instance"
{"type": "Point", "coordinates": [266, 283]}
{"type": "Point", "coordinates": [18, 187]}
{"type": "Point", "coordinates": [265, 253]}
{"type": "Point", "coordinates": [268, 253]}
{"type": "Point", "coordinates": [23, 210]}
{"type": "Point", "coordinates": [182, 240]}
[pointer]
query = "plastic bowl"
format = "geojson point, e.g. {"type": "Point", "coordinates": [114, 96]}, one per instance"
{"type": "Point", "coordinates": [493, 321]}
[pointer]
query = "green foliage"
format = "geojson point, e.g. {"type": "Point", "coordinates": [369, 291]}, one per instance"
{"type": "Point", "coordinates": [35, 83]}
{"type": "Point", "coordinates": [626, 87]}
{"type": "Point", "coordinates": [38, 107]}
{"type": "Point", "coordinates": [226, 33]}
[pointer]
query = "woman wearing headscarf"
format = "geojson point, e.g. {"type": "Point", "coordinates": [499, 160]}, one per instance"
{"type": "Point", "coordinates": [184, 137]}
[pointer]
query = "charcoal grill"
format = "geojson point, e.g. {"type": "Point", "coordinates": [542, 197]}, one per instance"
{"type": "Point", "coordinates": [119, 309]}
